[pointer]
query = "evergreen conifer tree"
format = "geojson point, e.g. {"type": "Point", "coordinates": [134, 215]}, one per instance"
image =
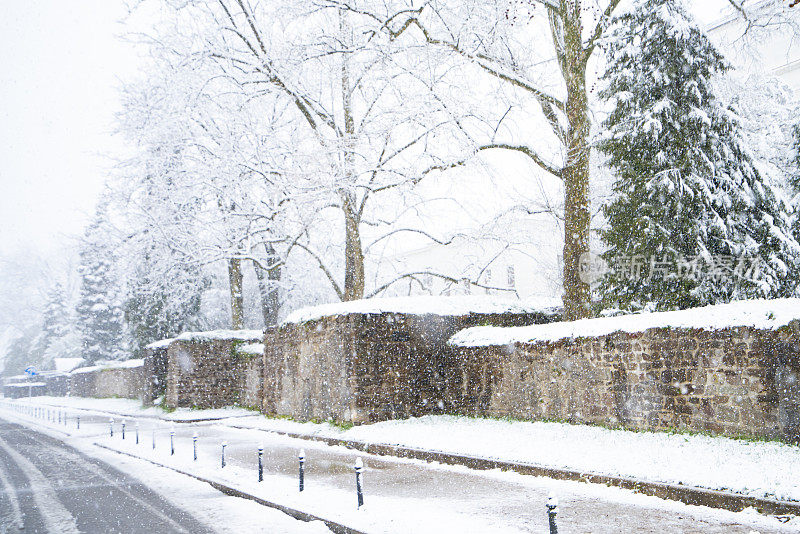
{"type": "Point", "coordinates": [160, 304]}
{"type": "Point", "coordinates": [100, 317]}
{"type": "Point", "coordinates": [57, 338]}
{"type": "Point", "coordinates": [692, 221]}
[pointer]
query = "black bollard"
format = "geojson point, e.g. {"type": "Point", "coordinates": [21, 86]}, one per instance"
{"type": "Point", "coordinates": [552, 511]}
{"type": "Point", "coordinates": [172, 442]}
{"type": "Point", "coordinates": [123, 429]}
{"type": "Point", "coordinates": [224, 444]}
{"type": "Point", "coordinates": [154, 439]}
{"type": "Point", "coordinates": [194, 445]}
{"type": "Point", "coordinates": [260, 463]}
{"type": "Point", "coordinates": [78, 421]}
{"type": "Point", "coordinates": [137, 432]}
{"type": "Point", "coordinates": [302, 458]}
{"type": "Point", "coordinates": [111, 427]}
{"type": "Point", "coordinates": [359, 467]}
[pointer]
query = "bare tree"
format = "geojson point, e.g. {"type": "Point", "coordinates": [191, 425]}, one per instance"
{"type": "Point", "coordinates": [487, 36]}
{"type": "Point", "coordinates": [369, 124]}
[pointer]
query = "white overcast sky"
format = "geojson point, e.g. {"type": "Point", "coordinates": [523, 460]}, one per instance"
{"type": "Point", "coordinates": [61, 62]}
{"type": "Point", "coordinates": [60, 66]}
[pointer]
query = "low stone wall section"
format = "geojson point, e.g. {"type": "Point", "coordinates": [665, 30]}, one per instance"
{"type": "Point", "coordinates": [155, 371]}
{"type": "Point", "coordinates": [115, 379]}
{"type": "Point", "coordinates": [206, 369]}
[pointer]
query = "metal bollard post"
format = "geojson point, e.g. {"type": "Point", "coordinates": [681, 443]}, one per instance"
{"type": "Point", "coordinates": [154, 439]}
{"type": "Point", "coordinates": [111, 427]}
{"type": "Point", "coordinates": [260, 463]}
{"type": "Point", "coordinates": [359, 467]}
{"type": "Point", "coordinates": [65, 418]}
{"type": "Point", "coordinates": [137, 432]}
{"type": "Point", "coordinates": [194, 445]}
{"type": "Point", "coordinates": [552, 511]}
{"type": "Point", "coordinates": [78, 421]}
{"type": "Point", "coordinates": [172, 442]}
{"type": "Point", "coordinates": [123, 429]}
{"type": "Point", "coordinates": [224, 444]}
{"type": "Point", "coordinates": [59, 417]}
{"type": "Point", "coordinates": [302, 457]}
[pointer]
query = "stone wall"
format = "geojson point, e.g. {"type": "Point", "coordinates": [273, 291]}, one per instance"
{"type": "Point", "coordinates": [19, 390]}
{"type": "Point", "coordinates": [155, 371]}
{"type": "Point", "coordinates": [81, 383]}
{"type": "Point", "coordinates": [205, 369]}
{"type": "Point", "coordinates": [115, 379]}
{"type": "Point", "coordinates": [252, 382]}
{"type": "Point", "coordinates": [123, 383]}
{"type": "Point", "coordinates": [365, 367]}
{"type": "Point", "coordinates": [738, 381]}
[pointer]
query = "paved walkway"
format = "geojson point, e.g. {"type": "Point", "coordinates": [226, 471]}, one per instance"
{"type": "Point", "coordinates": [408, 496]}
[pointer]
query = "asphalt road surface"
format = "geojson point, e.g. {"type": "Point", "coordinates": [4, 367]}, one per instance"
{"type": "Point", "coordinates": [47, 486]}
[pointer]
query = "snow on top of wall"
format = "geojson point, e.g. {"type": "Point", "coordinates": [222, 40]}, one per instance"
{"type": "Point", "coordinates": [221, 335]}
{"type": "Point", "coordinates": [65, 365]}
{"type": "Point", "coordinates": [26, 384]}
{"type": "Point", "coordinates": [125, 364]}
{"type": "Point", "coordinates": [763, 314]}
{"type": "Point", "coordinates": [251, 348]}
{"type": "Point", "coordinates": [89, 369]}
{"type": "Point", "coordinates": [161, 344]}
{"type": "Point", "coordinates": [425, 305]}
{"type": "Point", "coordinates": [101, 366]}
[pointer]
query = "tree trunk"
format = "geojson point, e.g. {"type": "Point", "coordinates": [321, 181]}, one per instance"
{"type": "Point", "coordinates": [353, 251]}
{"type": "Point", "coordinates": [577, 294]}
{"type": "Point", "coordinates": [268, 288]}
{"type": "Point", "coordinates": [237, 297]}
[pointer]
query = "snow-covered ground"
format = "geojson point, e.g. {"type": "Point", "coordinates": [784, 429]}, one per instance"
{"type": "Point", "coordinates": [762, 469]}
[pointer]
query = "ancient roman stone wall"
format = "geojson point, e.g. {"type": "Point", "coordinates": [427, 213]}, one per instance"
{"type": "Point", "coordinates": [252, 383]}
{"type": "Point", "coordinates": [124, 382]}
{"type": "Point", "coordinates": [127, 383]}
{"type": "Point", "coordinates": [205, 370]}
{"type": "Point", "coordinates": [81, 383]}
{"type": "Point", "coordinates": [364, 367]}
{"type": "Point", "coordinates": [155, 371]}
{"type": "Point", "coordinates": [738, 381]}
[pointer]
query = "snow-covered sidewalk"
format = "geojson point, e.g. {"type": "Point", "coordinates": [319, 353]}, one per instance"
{"type": "Point", "coordinates": [759, 469]}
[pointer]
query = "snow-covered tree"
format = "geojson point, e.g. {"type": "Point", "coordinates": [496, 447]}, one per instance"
{"type": "Point", "coordinates": [693, 221]}
{"type": "Point", "coordinates": [100, 316]}
{"type": "Point", "coordinates": [58, 337]}
{"type": "Point", "coordinates": [364, 127]}
{"type": "Point", "coordinates": [163, 297]}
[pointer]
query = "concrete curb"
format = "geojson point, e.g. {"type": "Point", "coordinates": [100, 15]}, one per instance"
{"type": "Point", "coordinates": [676, 492]}
{"type": "Point", "coordinates": [335, 527]}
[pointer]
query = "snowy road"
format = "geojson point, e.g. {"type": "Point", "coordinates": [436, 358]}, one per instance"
{"type": "Point", "coordinates": [47, 486]}
{"type": "Point", "coordinates": [50, 487]}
